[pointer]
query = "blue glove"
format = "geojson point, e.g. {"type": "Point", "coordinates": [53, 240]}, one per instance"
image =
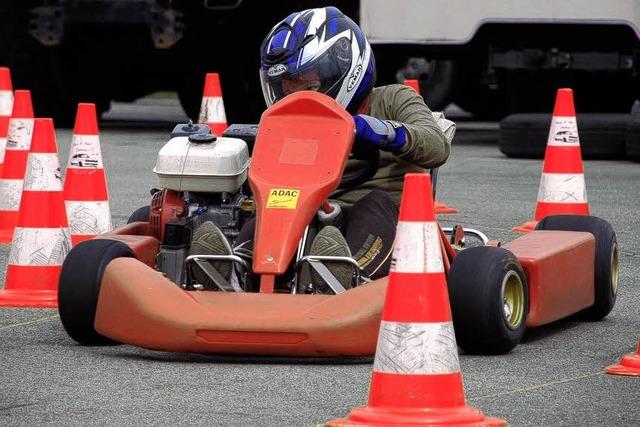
{"type": "Point", "coordinates": [382, 134]}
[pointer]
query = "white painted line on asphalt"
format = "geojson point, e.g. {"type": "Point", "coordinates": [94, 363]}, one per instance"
{"type": "Point", "coordinates": [538, 386]}
{"type": "Point", "coordinates": [31, 322]}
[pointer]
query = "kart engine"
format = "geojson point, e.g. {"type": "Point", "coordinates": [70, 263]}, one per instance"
{"type": "Point", "coordinates": [203, 178]}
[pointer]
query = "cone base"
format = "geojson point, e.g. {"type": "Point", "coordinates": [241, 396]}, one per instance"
{"type": "Point", "coordinates": [449, 417]}
{"type": "Point", "coordinates": [628, 365]}
{"type": "Point", "coordinates": [35, 299]}
{"type": "Point", "coordinates": [527, 227]}
{"type": "Point", "coordinates": [442, 208]}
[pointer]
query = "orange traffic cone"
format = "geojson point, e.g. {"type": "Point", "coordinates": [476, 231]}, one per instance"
{"type": "Point", "coordinates": [4, 129]}
{"type": "Point", "coordinates": [416, 372]}
{"type": "Point", "coordinates": [85, 184]}
{"type": "Point", "coordinates": [628, 364]}
{"type": "Point", "coordinates": [212, 110]}
{"type": "Point", "coordinates": [6, 105]}
{"type": "Point", "coordinates": [41, 238]}
{"type": "Point", "coordinates": [562, 188]}
{"type": "Point", "coordinates": [440, 208]}
{"type": "Point", "coordinates": [15, 162]}
{"type": "Point", "coordinates": [6, 92]}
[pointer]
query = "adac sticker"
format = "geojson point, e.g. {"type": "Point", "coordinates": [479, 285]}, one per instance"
{"type": "Point", "coordinates": [285, 198]}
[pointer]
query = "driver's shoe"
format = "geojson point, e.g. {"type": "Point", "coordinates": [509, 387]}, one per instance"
{"type": "Point", "coordinates": [208, 239]}
{"type": "Point", "coordinates": [328, 242]}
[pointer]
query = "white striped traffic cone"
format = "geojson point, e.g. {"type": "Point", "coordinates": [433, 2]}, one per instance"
{"type": "Point", "coordinates": [6, 92]}
{"type": "Point", "coordinates": [6, 106]}
{"type": "Point", "coordinates": [4, 130]}
{"type": "Point", "coordinates": [212, 110]}
{"type": "Point", "coordinates": [15, 162]}
{"type": "Point", "coordinates": [86, 194]}
{"type": "Point", "coordinates": [416, 372]}
{"type": "Point", "coordinates": [41, 239]}
{"type": "Point", "coordinates": [562, 189]}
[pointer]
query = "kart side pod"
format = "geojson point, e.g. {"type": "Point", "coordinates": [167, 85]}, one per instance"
{"type": "Point", "coordinates": [560, 273]}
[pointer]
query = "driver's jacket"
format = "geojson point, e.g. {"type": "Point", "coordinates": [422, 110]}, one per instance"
{"type": "Point", "coordinates": [427, 146]}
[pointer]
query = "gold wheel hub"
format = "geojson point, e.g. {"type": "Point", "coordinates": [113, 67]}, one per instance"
{"type": "Point", "coordinates": [513, 300]}
{"type": "Point", "coordinates": [614, 270]}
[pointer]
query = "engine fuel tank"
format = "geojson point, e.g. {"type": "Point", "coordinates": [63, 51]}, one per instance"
{"type": "Point", "coordinates": [203, 163]}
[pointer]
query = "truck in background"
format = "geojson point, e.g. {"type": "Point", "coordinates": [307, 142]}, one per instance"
{"type": "Point", "coordinates": [490, 57]}
{"type": "Point", "coordinates": [497, 57]}
{"type": "Point", "coordinates": [70, 51]}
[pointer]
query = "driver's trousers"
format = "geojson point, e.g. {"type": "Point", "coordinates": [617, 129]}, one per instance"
{"type": "Point", "coordinates": [369, 229]}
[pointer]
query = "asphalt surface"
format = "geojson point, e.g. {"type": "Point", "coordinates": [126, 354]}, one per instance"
{"type": "Point", "coordinates": [554, 377]}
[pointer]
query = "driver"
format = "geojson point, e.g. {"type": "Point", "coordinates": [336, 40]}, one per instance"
{"type": "Point", "coordinates": [323, 50]}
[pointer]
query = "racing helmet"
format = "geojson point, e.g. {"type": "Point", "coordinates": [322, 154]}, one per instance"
{"type": "Point", "coordinates": [317, 49]}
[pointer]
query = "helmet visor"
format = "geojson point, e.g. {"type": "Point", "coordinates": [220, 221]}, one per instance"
{"type": "Point", "coordinates": [323, 74]}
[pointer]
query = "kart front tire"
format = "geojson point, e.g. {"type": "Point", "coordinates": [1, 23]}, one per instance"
{"type": "Point", "coordinates": [606, 259]}
{"type": "Point", "coordinates": [79, 287]}
{"type": "Point", "coordinates": [489, 300]}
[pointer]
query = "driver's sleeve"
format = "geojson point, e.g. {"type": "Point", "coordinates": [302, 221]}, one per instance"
{"type": "Point", "coordinates": [426, 146]}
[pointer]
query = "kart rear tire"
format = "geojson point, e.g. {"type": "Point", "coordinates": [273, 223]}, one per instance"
{"type": "Point", "coordinates": [79, 287]}
{"type": "Point", "coordinates": [140, 215]}
{"type": "Point", "coordinates": [606, 260]}
{"type": "Point", "coordinates": [480, 280]}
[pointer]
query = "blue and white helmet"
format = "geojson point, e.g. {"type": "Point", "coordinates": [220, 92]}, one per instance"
{"type": "Point", "coordinates": [317, 49]}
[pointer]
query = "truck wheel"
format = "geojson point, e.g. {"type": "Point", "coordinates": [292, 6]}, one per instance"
{"type": "Point", "coordinates": [602, 135]}
{"type": "Point", "coordinates": [190, 88]}
{"type": "Point", "coordinates": [479, 94]}
{"type": "Point", "coordinates": [606, 260]}
{"type": "Point", "coordinates": [79, 287]}
{"type": "Point", "coordinates": [140, 215]}
{"type": "Point", "coordinates": [436, 78]}
{"type": "Point", "coordinates": [489, 300]}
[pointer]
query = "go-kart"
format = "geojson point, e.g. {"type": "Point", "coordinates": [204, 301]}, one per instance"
{"type": "Point", "coordinates": [139, 284]}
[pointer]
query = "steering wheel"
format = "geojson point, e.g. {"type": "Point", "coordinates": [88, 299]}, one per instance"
{"type": "Point", "coordinates": [370, 159]}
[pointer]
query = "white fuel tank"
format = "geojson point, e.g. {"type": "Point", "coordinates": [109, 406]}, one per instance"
{"type": "Point", "coordinates": [203, 163]}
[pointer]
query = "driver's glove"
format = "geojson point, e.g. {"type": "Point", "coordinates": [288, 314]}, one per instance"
{"type": "Point", "coordinates": [382, 134]}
